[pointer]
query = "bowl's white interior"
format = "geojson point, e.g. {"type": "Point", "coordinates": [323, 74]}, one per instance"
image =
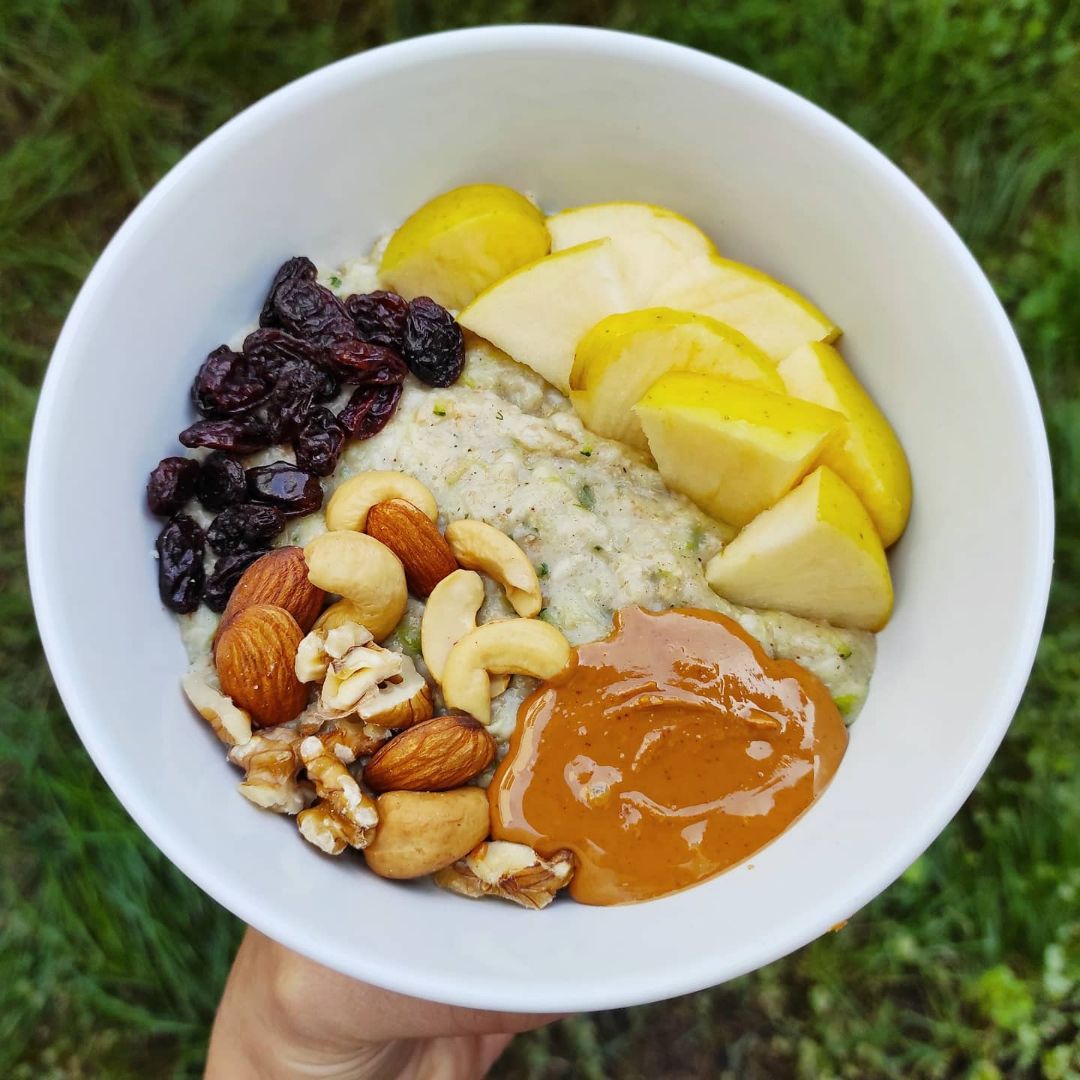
{"type": "Point", "coordinates": [324, 167]}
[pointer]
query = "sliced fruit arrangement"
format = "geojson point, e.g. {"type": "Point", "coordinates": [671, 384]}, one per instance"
{"type": "Point", "coordinates": [731, 447]}
{"type": "Point", "coordinates": [461, 242]}
{"type": "Point", "coordinates": [623, 355]}
{"type": "Point", "coordinates": [815, 553]}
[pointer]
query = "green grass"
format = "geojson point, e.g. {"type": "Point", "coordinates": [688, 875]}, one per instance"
{"type": "Point", "coordinates": [111, 962]}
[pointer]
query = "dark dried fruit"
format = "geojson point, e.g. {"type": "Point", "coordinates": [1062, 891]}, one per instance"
{"type": "Point", "coordinates": [227, 572]}
{"type": "Point", "coordinates": [434, 347]}
{"type": "Point", "coordinates": [243, 435]}
{"type": "Point", "coordinates": [268, 350]}
{"type": "Point", "coordinates": [171, 484]}
{"type": "Point", "coordinates": [369, 410]}
{"type": "Point", "coordinates": [226, 385]}
{"type": "Point", "coordinates": [282, 485]}
{"type": "Point", "coordinates": [370, 365]}
{"type": "Point", "coordinates": [379, 318]}
{"type": "Point", "coordinates": [318, 444]}
{"type": "Point", "coordinates": [296, 268]}
{"type": "Point", "coordinates": [299, 304]}
{"type": "Point", "coordinates": [244, 527]}
{"type": "Point", "coordinates": [181, 575]}
{"type": "Point", "coordinates": [221, 481]}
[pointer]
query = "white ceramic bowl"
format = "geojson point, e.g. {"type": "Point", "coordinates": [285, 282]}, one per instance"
{"type": "Point", "coordinates": [323, 167]}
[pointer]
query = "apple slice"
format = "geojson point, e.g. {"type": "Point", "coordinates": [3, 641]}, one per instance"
{"type": "Point", "coordinates": [539, 313]}
{"type": "Point", "coordinates": [651, 243]}
{"type": "Point", "coordinates": [775, 318]}
{"type": "Point", "coordinates": [623, 355]}
{"type": "Point", "coordinates": [871, 459]}
{"type": "Point", "coordinates": [816, 554]}
{"type": "Point", "coordinates": [461, 242]}
{"type": "Point", "coordinates": [731, 447]}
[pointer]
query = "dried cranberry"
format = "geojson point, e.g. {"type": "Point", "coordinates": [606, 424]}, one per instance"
{"type": "Point", "coordinates": [244, 527]}
{"type": "Point", "coordinates": [369, 410]}
{"type": "Point", "coordinates": [227, 572]}
{"type": "Point", "coordinates": [227, 385]}
{"type": "Point", "coordinates": [368, 364]}
{"type": "Point", "coordinates": [243, 435]}
{"type": "Point", "coordinates": [318, 444]}
{"type": "Point", "coordinates": [221, 481]}
{"type": "Point", "coordinates": [299, 304]}
{"type": "Point", "coordinates": [296, 268]}
{"type": "Point", "coordinates": [434, 347]}
{"type": "Point", "coordinates": [181, 574]}
{"type": "Point", "coordinates": [171, 484]}
{"type": "Point", "coordinates": [285, 486]}
{"type": "Point", "coordinates": [379, 318]}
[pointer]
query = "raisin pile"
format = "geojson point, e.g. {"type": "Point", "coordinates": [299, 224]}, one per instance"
{"type": "Point", "coordinates": [277, 389]}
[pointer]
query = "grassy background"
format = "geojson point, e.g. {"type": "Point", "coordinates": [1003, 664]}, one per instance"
{"type": "Point", "coordinates": [111, 962]}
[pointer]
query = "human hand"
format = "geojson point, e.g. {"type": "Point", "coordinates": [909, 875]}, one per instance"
{"type": "Point", "coordinates": [283, 1016]}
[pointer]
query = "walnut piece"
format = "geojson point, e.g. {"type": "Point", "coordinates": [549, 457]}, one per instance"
{"type": "Point", "coordinates": [513, 871]}
{"type": "Point", "coordinates": [348, 740]}
{"type": "Point", "coordinates": [230, 723]}
{"type": "Point", "coordinates": [344, 816]}
{"type": "Point", "coordinates": [271, 761]}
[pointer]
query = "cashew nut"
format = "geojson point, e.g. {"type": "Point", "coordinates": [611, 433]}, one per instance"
{"type": "Point", "coordinates": [479, 546]}
{"type": "Point", "coordinates": [449, 615]}
{"type": "Point", "coordinates": [420, 832]}
{"type": "Point", "coordinates": [349, 505]}
{"type": "Point", "coordinates": [363, 571]}
{"type": "Point", "coordinates": [337, 614]}
{"type": "Point", "coordinates": [513, 647]}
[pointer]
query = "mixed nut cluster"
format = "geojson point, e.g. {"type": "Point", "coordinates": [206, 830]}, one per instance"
{"type": "Point", "coordinates": [333, 728]}
{"type": "Point", "coordinates": [309, 347]}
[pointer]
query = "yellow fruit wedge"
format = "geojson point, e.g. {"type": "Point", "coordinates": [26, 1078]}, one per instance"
{"type": "Point", "coordinates": [539, 313]}
{"type": "Point", "coordinates": [731, 447]}
{"type": "Point", "coordinates": [461, 242]}
{"type": "Point", "coordinates": [651, 243]}
{"type": "Point", "coordinates": [775, 318]}
{"type": "Point", "coordinates": [623, 355]}
{"type": "Point", "coordinates": [816, 554]}
{"type": "Point", "coordinates": [870, 460]}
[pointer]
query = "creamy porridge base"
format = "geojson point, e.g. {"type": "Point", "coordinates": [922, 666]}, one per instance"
{"type": "Point", "coordinates": [594, 517]}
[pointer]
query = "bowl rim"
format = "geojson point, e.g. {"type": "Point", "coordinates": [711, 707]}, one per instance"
{"type": "Point", "coordinates": [655, 985]}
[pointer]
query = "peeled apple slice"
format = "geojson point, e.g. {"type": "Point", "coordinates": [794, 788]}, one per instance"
{"type": "Point", "coordinates": [775, 318]}
{"type": "Point", "coordinates": [731, 447]}
{"type": "Point", "coordinates": [538, 314]}
{"type": "Point", "coordinates": [651, 243]}
{"type": "Point", "coordinates": [461, 242]}
{"type": "Point", "coordinates": [870, 460]}
{"type": "Point", "coordinates": [816, 554]}
{"type": "Point", "coordinates": [623, 355]}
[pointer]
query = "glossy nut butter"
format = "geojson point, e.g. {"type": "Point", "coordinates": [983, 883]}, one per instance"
{"type": "Point", "coordinates": [669, 751]}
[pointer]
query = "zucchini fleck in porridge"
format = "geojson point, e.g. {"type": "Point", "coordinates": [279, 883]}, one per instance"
{"type": "Point", "coordinates": [411, 561]}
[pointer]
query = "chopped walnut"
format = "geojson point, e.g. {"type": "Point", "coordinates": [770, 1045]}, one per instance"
{"type": "Point", "coordinates": [349, 664]}
{"type": "Point", "coordinates": [230, 723]}
{"type": "Point", "coordinates": [344, 815]}
{"type": "Point", "coordinates": [513, 871]}
{"type": "Point", "coordinates": [348, 740]}
{"type": "Point", "coordinates": [271, 761]}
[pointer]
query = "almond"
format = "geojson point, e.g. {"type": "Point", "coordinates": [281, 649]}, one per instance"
{"type": "Point", "coordinates": [434, 755]}
{"type": "Point", "coordinates": [254, 657]}
{"type": "Point", "coordinates": [280, 578]}
{"type": "Point", "coordinates": [412, 536]}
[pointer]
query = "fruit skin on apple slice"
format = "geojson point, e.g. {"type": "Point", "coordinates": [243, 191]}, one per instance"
{"type": "Point", "coordinates": [731, 447]}
{"type": "Point", "coordinates": [774, 317]}
{"type": "Point", "coordinates": [815, 553]}
{"type": "Point", "coordinates": [870, 460]}
{"type": "Point", "coordinates": [651, 243]}
{"type": "Point", "coordinates": [623, 355]}
{"type": "Point", "coordinates": [538, 314]}
{"type": "Point", "coordinates": [461, 242]}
